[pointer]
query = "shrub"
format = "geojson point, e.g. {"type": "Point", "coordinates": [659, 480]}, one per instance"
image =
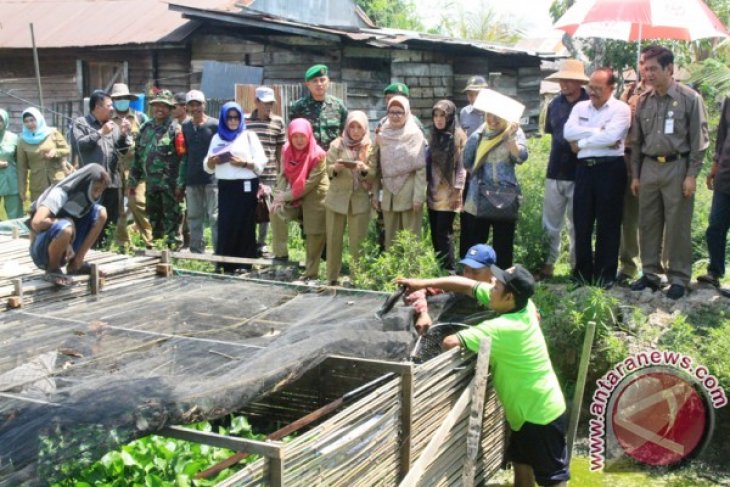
{"type": "Point", "coordinates": [408, 256]}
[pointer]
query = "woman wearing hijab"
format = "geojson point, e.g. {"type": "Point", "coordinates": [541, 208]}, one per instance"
{"type": "Point", "coordinates": [490, 156]}
{"type": "Point", "coordinates": [400, 156]}
{"type": "Point", "coordinates": [42, 151]}
{"type": "Point", "coordinates": [446, 176]}
{"type": "Point", "coordinates": [300, 192]}
{"type": "Point", "coordinates": [8, 170]}
{"type": "Point", "coordinates": [348, 197]}
{"type": "Point", "coordinates": [236, 157]}
{"type": "Point", "coordinates": [66, 221]}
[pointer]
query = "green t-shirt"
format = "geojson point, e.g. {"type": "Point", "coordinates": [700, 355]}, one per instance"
{"type": "Point", "coordinates": [523, 374]}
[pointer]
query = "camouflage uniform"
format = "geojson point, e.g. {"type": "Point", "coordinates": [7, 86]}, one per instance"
{"type": "Point", "coordinates": [156, 162]}
{"type": "Point", "coordinates": [327, 117]}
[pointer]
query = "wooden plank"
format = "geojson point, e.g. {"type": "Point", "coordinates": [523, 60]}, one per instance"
{"type": "Point", "coordinates": [580, 385]}
{"type": "Point", "coordinates": [267, 449]}
{"type": "Point", "coordinates": [473, 434]}
{"type": "Point", "coordinates": [214, 258]}
{"type": "Point", "coordinates": [383, 365]}
{"type": "Point", "coordinates": [406, 421]}
{"type": "Point", "coordinates": [276, 472]}
{"type": "Point", "coordinates": [429, 453]}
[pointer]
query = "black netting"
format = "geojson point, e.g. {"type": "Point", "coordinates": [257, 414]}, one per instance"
{"type": "Point", "coordinates": [80, 377]}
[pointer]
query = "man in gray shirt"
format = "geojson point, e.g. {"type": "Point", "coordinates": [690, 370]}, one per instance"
{"type": "Point", "coordinates": [96, 138]}
{"type": "Point", "coordinates": [470, 118]}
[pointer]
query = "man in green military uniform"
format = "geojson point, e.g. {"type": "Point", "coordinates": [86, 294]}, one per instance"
{"type": "Point", "coordinates": [157, 163]}
{"type": "Point", "coordinates": [326, 113]}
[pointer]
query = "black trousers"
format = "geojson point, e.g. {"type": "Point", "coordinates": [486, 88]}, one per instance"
{"type": "Point", "coordinates": [236, 220]}
{"type": "Point", "coordinates": [110, 199]}
{"type": "Point", "coordinates": [598, 201]}
{"type": "Point", "coordinates": [442, 236]}
{"type": "Point", "coordinates": [476, 230]}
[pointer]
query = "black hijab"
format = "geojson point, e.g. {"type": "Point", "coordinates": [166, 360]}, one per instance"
{"type": "Point", "coordinates": [78, 186]}
{"type": "Point", "coordinates": [443, 142]}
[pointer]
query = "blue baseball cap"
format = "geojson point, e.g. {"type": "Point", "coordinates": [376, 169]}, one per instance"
{"type": "Point", "coordinates": [478, 256]}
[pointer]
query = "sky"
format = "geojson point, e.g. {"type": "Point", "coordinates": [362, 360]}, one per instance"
{"type": "Point", "coordinates": [534, 13]}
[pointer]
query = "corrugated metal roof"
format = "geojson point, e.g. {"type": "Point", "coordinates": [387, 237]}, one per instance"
{"type": "Point", "coordinates": [84, 23]}
{"type": "Point", "coordinates": [377, 37]}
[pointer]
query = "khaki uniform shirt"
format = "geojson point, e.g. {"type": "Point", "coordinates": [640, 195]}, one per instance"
{"type": "Point", "coordinates": [126, 159]}
{"type": "Point", "coordinates": [411, 194]}
{"type": "Point", "coordinates": [686, 132]}
{"type": "Point", "coordinates": [43, 172]}
{"type": "Point", "coordinates": [312, 200]}
{"type": "Point", "coordinates": [342, 192]}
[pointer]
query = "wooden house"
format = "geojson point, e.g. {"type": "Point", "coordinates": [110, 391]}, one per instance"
{"type": "Point", "coordinates": [192, 43]}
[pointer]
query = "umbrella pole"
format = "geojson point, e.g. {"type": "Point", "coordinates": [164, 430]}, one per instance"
{"type": "Point", "coordinates": [638, 54]}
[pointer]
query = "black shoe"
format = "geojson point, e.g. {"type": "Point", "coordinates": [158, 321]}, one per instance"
{"type": "Point", "coordinates": [675, 291]}
{"type": "Point", "coordinates": [623, 280]}
{"type": "Point", "coordinates": [606, 285]}
{"type": "Point", "coordinates": [710, 279]}
{"type": "Point", "coordinates": [643, 283]}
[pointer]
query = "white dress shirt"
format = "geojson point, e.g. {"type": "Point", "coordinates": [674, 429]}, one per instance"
{"type": "Point", "coordinates": [247, 147]}
{"type": "Point", "coordinates": [598, 130]}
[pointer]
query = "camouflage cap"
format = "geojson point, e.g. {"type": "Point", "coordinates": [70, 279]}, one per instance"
{"type": "Point", "coordinates": [164, 96]}
{"type": "Point", "coordinates": [315, 72]}
{"type": "Point", "coordinates": [397, 89]}
{"type": "Point", "coordinates": [476, 83]}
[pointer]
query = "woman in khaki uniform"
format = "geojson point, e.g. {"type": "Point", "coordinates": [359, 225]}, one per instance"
{"type": "Point", "coordinates": [400, 158]}
{"type": "Point", "coordinates": [42, 152]}
{"type": "Point", "coordinates": [299, 195]}
{"type": "Point", "coordinates": [348, 198]}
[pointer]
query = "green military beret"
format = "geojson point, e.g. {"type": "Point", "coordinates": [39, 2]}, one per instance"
{"type": "Point", "coordinates": [315, 72]}
{"type": "Point", "coordinates": [164, 96]}
{"type": "Point", "coordinates": [397, 89]}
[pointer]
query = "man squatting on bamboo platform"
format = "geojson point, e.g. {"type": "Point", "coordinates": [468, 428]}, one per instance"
{"type": "Point", "coordinates": [524, 378]}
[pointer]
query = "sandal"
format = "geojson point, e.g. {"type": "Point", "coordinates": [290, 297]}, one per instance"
{"type": "Point", "coordinates": [58, 278]}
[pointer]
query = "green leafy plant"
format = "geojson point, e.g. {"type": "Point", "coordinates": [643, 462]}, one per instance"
{"type": "Point", "coordinates": [408, 256]}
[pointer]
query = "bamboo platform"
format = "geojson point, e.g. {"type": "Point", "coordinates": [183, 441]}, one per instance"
{"type": "Point", "coordinates": [22, 283]}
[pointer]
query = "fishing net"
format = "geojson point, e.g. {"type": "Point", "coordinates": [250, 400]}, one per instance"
{"type": "Point", "coordinates": [82, 376]}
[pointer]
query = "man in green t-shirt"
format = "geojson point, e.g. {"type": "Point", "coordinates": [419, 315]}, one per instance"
{"type": "Point", "coordinates": [521, 369]}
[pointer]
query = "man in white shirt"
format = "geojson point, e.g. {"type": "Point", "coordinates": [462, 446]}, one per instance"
{"type": "Point", "coordinates": [596, 130]}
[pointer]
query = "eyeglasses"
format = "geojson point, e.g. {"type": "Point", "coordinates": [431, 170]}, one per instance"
{"type": "Point", "coordinates": [396, 113]}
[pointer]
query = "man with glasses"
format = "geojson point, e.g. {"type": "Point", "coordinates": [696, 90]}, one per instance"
{"type": "Point", "coordinates": [325, 112]}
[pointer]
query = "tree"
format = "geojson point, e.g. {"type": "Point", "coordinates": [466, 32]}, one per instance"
{"type": "Point", "coordinates": [480, 23]}
{"type": "Point", "coordinates": [395, 14]}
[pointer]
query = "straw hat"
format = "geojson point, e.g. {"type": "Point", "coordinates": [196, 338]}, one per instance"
{"type": "Point", "coordinates": [572, 69]}
{"type": "Point", "coordinates": [120, 91]}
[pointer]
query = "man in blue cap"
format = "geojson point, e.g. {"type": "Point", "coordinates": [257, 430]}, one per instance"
{"type": "Point", "coordinates": [477, 264]}
{"type": "Point", "coordinates": [325, 112]}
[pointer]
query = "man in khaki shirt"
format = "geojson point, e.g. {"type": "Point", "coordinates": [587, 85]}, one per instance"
{"type": "Point", "coordinates": [137, 206]}
{"type": "Point", "coordinates": [669, 138]}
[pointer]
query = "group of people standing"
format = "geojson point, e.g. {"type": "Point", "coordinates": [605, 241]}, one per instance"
{"type": "Point", "coordinates": [624, 170]}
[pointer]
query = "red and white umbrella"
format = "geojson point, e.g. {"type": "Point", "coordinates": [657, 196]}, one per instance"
{"type": "Point", "coordinates": [635, 20]}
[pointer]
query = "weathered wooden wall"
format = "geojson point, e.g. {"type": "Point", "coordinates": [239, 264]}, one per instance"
{"type": "Point", "coordinates": [60, 79]}
{"type": "Point", "coordinates": [431, 73]}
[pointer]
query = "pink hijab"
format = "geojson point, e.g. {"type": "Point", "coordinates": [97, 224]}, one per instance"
{"type": "Point", "coordinates": [299, 163]}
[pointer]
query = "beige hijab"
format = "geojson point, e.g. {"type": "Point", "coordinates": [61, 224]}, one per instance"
{"type": "Point", "coordinates": [402, 149]}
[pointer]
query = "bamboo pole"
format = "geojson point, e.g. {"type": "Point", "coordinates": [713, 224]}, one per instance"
{"type": "Point", "coordinates": [473, 434]}
{"type": "Point", "coordinates": [37, 66]}
{"type": "Point", "coordinates": [580, 385]}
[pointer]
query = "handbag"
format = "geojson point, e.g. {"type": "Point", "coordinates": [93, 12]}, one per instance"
{"type": "Point", "coordinates": [263, 205]}
{"type": "Point", "coordinates": [498, 201]}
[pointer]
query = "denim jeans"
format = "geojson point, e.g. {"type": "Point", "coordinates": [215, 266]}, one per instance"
{"type": "Point", "coordinates": [717, 232]}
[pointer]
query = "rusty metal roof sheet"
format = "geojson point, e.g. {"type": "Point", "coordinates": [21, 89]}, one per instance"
{"type": "Point", "coordinates": [377, 37]}
{"type": "Point", "coordinates": [84, 23]}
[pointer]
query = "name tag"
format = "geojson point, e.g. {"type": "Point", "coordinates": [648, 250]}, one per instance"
{"type": "Point", "coordinates": [668, 125]}
{"type": "Point", "coordinates": [247, 186]}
